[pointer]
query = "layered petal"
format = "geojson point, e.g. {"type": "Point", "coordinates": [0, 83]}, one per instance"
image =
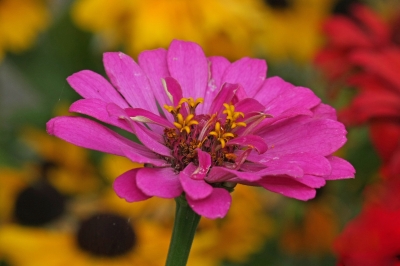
{"type": "Point", "coordinates": [287, 187]}
{"type": "Point", "coordinates": [91, 85]}
{"type": "Point", "coordinates": [125, 187]}
{"type": "Point", "coordinates": [194, 188]}
{"type": "Point", "coordinates": [216, 205]}
{"type": "Point", "coordinates": [160, 182]}
{"type": "Point", "coordinates": [130, 80]}
{"type": "Point", "coordinates": [248, 72]}
{"type": "Point", "coordinates": [188, 65]}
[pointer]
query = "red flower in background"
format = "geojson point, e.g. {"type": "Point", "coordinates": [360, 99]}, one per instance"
{"type": "Point", "coordinates": [373, 238]}
{"type": "Point", "coordinates": [363, 30]}
{"type": "Point", "coordinates": [364, 51]}
{"type": "Point", "coordinates": [378, 103]}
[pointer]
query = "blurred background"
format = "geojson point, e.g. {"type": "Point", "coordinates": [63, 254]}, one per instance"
{"type": "Point", "coordinates": [57, 206]}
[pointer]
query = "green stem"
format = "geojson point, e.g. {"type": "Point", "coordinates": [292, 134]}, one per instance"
{"type": "Point", "coordinates": [186, 221]}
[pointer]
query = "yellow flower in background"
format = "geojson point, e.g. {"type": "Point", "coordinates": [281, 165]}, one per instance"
{"type": "Point", "coordinates": [225, 27]}
{"type": "Point", "coordinates": [292, 28]}
{"type": "Point", "coordinates": [20, 23]}
{"type": "Point", "coordinates": [277, 29]}
{"type": "Point", "coordinates": [101, 240]}
{"type": "Point", "coordinates": [65, 166]}
{"type": "Point", "coordinates": [241, 233]}
{"type": "Point", "coordinates": [11, 182]}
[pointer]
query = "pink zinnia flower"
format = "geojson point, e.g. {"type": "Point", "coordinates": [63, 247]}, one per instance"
{"type": "Point", "coordinates": [205, 125]}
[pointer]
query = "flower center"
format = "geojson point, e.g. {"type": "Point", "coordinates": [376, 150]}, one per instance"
{"type": "Point", "coordinates": [206, 132]}
{"type": "Point", "coordinates": [38, 204]}
{"type": "Point", "coordinates": [106, 235]}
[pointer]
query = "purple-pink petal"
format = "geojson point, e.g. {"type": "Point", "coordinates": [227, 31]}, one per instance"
{"type": "Point", "coordinates": [225, 95]}
{"type": "Point", "coordinates": [91, 85]}
{"type": "Point", "coordinates": [130, 80]}
{"type": "Point", "coordinates": [216, 205]}
{"type": "Point", "coordinates": [194, 188]}
{"type": "Point", "coordinates": [324, 111]}
{"type": "Point", "coordinates": [287, 187]}
{"type": "Point", "coordinates": [174, 89]}
{"type": "Point", "coordinates": [97, 108]}
{"type": "Point", "coordinates": [188, 65]}
{"type": "Point", "coordinates": [144, 157]}
{"type": "Point", "coordinates": [144, 116]}
{"type": "Point", "coordinates": [249, 105]}
{"type": "Point", "coordinates": [220, 174]}
{"type": "Point", "coordinates": [304, 134]}
{"type": "Point", "coordinates": [218, 66]}
{"type": "Point", "coordinates": [149, 138]}
{"type": "Point", "coordinates": [154, 65]}
{"type": "Point", "coordinates": [341, 169]}
{"type": "Point", "coordinates": [86, 133]}
{"type": "Point", "coordinates": [160, 182]}
{"type": "Point", "coordinates": [248, 72]}
{"type": "Point", "coordinates": [125, 187]}
{"type": "Point", "coordinates": [252, 141]}
{"type": "Point", "coordinates": [204, 165]}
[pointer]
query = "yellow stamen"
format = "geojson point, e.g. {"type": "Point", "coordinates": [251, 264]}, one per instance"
{"type": "Point", "coordinates": [184, 124]}
{"type": "Point", "coordinates": [232, 116]}
{"type": "Point", "coordinates": [191, 103]}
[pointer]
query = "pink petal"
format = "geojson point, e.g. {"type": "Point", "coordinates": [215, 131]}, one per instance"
{"type": "Point", "coordinates": [92, 85]}
{"type": "Point", "coordinates": [249, 105]}
{"type": "Point", "coordinates": [248, 72]}
{"type": "Point", "coordinates": [130, 80]}
{"type": "Point", "coordinates": [225, 95]}
{"type": "Point", "coordinates": [218, 65]}
{"type": "Point", "coordinates": [125, 187]}
{"type": "Point", "coordinates": [324, 111]}
{"type": "Point", "coordinates": [341, 169]}
{"type": "Point", "coordinates": [160, 182]}
{"type": "Point", "coordinates": [253, 141]}
{"type": "Point", "coordinates": [194, 188]}
{"type": "Point", "coordinates": [144, 116]}
{"type": "Point", "coordinates": [312, 181]}
{"type": "Point", "coordinates": [154, 64]}
{"type": "Point", "coordinates": [188, 65]}
{"type": "Point", "coordinates": [304, 134]}
{"type": "Point", "coordinates": [204, 165]}
{"type": "Point", "coordinates": [97, 108]}
{"type": "Point", "coordinates": [287, 187]}
{"type": "Point", "coordinates": [311, 163]}
{"type": "Point", "coordinates": [89, 134]}
{"type": "Point", "coordinates": [147, 158]}
{"type": "Point", "coordinates": [214, 206]}
{"type": "Point", "coordinates": [298, 97]}
{"type": "Point", "coordinates": [149, 138]}
{"type": "Point", "coordinates": [174, 89]}
{"type": "Point", "coordinates": [271, 89]}
{"type": "Point", "coordinates": [289, 113]}
{"type": "Point", "coordinates": [220, 174]}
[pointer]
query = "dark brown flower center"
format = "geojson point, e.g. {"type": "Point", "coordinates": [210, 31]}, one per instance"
{"type": "Point", "coordinates": [278, 4]}
{"type": "Point", "coordinates": [106, 235]}
{"type": "Point", "coordinates": [38, 204]}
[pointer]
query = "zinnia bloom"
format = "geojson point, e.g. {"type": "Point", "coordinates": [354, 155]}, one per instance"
{"type": "Point", "coordinates": [205, 125]}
